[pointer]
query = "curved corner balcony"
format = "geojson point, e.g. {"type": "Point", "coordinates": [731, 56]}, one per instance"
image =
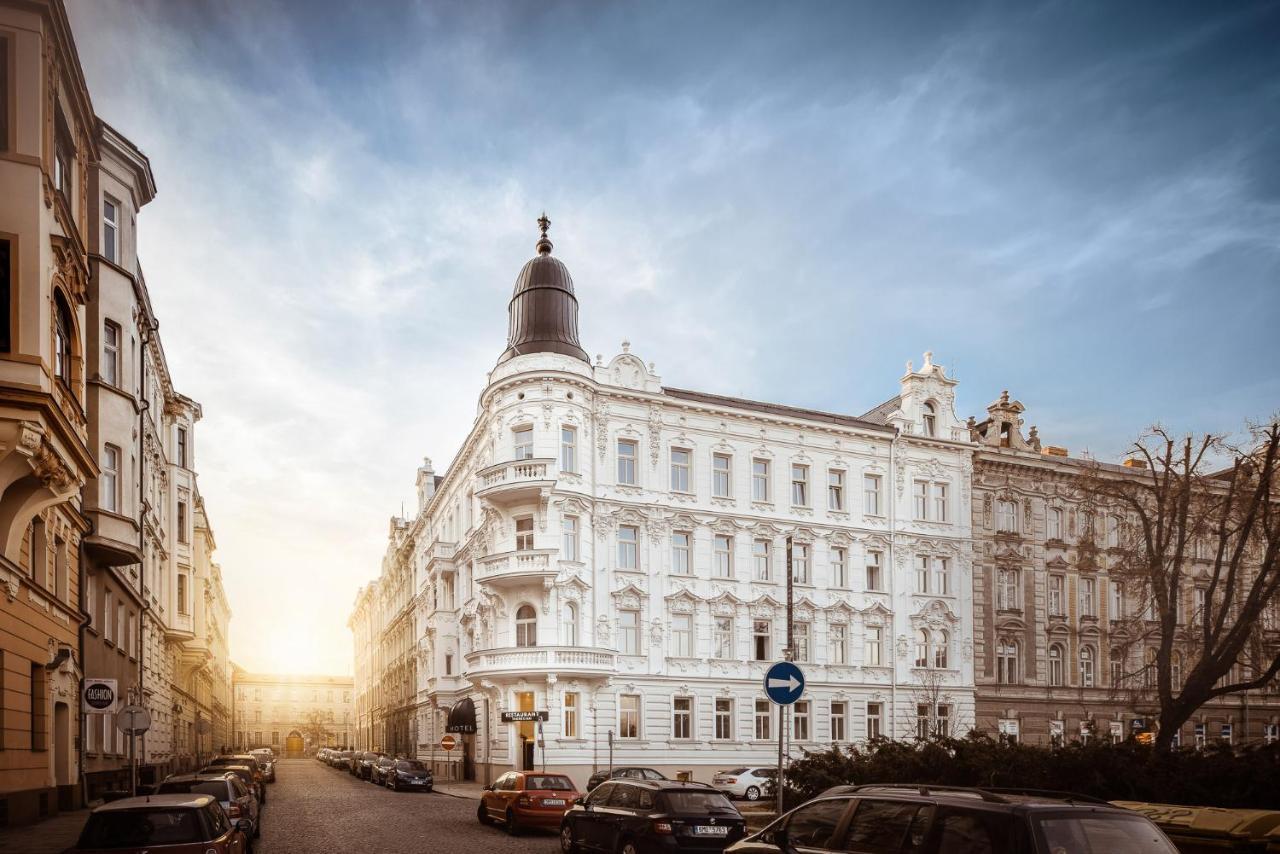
{"type": "Point", "coordinates": [512, 568]}
{"type": "Point", "coordinates": [517, 481]}
{"type": "Point", "coordinates": [519, 662]}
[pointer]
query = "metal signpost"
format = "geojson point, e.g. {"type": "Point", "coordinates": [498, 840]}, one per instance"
{"type": "Point", "coordinates": [133, 721]}
{"type": "Point", "coordinates": [783, 685]}
{"type": "Point", "coordinates": [448, 742]}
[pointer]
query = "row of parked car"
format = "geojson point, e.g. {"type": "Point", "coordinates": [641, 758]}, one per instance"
{"type": "Point", "coordinates": [397, 773]}
{"type": "Point", "coordinates": [218, 809]}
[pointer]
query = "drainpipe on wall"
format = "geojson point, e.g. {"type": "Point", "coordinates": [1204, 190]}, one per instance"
{"type": "Point", "coordinates": [143, 406]}
{"type": "Point", "coordinates": [84, 621]}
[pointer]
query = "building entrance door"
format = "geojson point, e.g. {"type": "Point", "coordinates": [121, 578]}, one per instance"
{"type": "Point", "coordinates": [293, 745]}
{"type": "Point", "coordinates": [468, 757]}
{"type": "Point", "coordinates": [525, 732]}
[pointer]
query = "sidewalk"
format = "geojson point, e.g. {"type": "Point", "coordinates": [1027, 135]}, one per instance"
{"type": "Point", "coordinates": [454, 789]}
{"type": "Point", "coordinates": [44, 837]}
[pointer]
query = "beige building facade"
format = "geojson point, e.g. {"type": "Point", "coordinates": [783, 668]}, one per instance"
{"type": "Point", "coordinates": [292, 715]}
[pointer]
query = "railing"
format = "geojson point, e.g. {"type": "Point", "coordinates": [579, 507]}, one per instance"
{"type": "Point", "coordinates": [516, 472]}
{"type": "Point", "coordinates": [516, 564]}
{"type": "Point", "coordinates": [522, 659]}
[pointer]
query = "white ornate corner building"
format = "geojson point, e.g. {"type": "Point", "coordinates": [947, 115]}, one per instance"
{"type": "Point", "coordinates": [612, 552]}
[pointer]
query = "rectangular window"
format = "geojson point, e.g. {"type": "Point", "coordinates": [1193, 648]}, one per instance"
{"type": "Point", "coordinates": [682, 635]}
{"type": "Point", "coordinates": [941, 576]}
{"type": "Point", "coordinates": [939, 492]}
{"type": "Point", "coordinates": [871, 494]}
{"type": "Point", "coordinates": [682, 717]}
{"type": "Point", "coordinates": [759, 480]}
{"type": "Point", "coordinates": [800, 563]}
{"type": "Point", "coordinates": [875, 721]}
{"type": "Point", "coordinates": [110, 229]}
{"type": "Point", "coordinates": [628, 546]}
{"type": "Point", "coordinates": [570, 715]}
{"type": "Point", "coordinates": [761, 551]}
{"type": "Point", "coordinates": [835, 489]}
{"type": "Point", "coordinates": [1117, 601]}
{"type": "Point", "coordinates": [182, 522]}
{"type": "Point", "coordinates": [1007, 598]}
{"type": "Point", "coordinates": [680, 564]}
{"type": "Point", "coordinates": [1054, 524]}
{"type": "Point", "coordinates": [800, 486]}
{"type": "Point", "coordinates": [922, 573]}
{"type": "Point", "coordinates": [91, 599]}
{"type": "Point", "coordinates": [182, 593]}
{"type": "Point", "coordinates": [724, 719]}
{"type": "Point", "coordinates": [724, 637]}
{"type": "Point", "coordinates": [524, 533]}
{"type": "Point", "coordinates": [920, 504]}
{"type": "Point", "coordinates": [39, 704]}
{"type": "Point", "coordinates": [763, 716]}
{"type": "Point", "coordinates": [680, 465]}
{"type": "Point", "coordinates": [522, 442]}
{"type": "Point", "coordinates": [629, 632]}
{"type": "Point", "coordinates": [110, 478]}
{"type": "Point", "coordinates": [721, 475]}
{"type": "Point", "coordinates": [800, 640]}
{"type": "Point", "coordinates": [569, 528]}
{"type": "Point", "coordinates": [110, 353]}
{"type": "Point", "coordinates": [800, 721]}
{"type": "Point", "coordinates": [838, 730]}
{"type": "Point", "coordinates": [1088, 597]}
{"type": "Point", "coordinates": [7, 273]}
{"type": "Point", "coordinates": [182, 448]}
{"type": "Point", "coordinates": [568, 449]}
{"type": "Point", "coordinates": [1057, 589]}
{"type": "Point", "coordinates": [838, 639]}
{"type": "Point", "coordinates": [761, 643]}
{"type": "Point", "coordinates": [722, 549]}
{"type": "Point", "coordinates": [839, 567]}
{"type": "Point", "coordinates": [627, 462]}
{"type": "Point", "coordinates": [875, 580]}
{"type": "Point", "coordinates": [874, 644]}
{"type": "Point", "coordinates": [108, 625]}
{"type": "Point", "coordinates": [628, 716]}
{"type": "Point", "coordinates": [1200, 594]}
{"type": "Point", "coordinates": [1006, 517]}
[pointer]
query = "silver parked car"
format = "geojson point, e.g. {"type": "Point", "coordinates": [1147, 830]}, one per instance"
{"type": "Point", "coordinates": [744, 782]}
{"type": "Point", "coordinates": [237, 799]}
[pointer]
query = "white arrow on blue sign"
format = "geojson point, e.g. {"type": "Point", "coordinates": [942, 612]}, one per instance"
{"type": "Point", "coordinates": [784, 683]}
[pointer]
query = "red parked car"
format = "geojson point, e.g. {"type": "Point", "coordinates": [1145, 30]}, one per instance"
{"type": "Point", "coordinates": [521, 799]}
{"type": "Point", "coordinates": [174, 824]}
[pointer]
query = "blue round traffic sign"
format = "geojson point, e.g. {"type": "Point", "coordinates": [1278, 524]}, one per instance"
{"type": "Point", "coordinates": [784, 683]}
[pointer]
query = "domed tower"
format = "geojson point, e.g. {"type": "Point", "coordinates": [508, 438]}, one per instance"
{"type": "Point", "coordinates": [543, 311]}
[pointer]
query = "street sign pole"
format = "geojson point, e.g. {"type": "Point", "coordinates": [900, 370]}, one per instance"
{"type": "Point", "coordinates": [787, 655]}
{"type": "Point", "coordinates": [610, 769]}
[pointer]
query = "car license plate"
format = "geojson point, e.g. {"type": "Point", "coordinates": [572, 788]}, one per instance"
{"type": "Point", "coordinates": [711, 830]}
{"type": "Point", "coordinates": [419, 782]}
{"type": "Point", "coordinates": [553, 802]}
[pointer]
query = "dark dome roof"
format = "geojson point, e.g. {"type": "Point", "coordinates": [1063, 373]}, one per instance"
{"type": "Point", "coordinates": [543, 312]}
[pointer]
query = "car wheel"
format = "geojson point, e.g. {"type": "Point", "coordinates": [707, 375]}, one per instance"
{"type": "Point", "coordinates": [482, 815]}
{"type": "Point", "coordinates": [753, 793]}
{"type": "Point", "coordinates": [395, 785]}
{"type": "Point", "coordinates": [513, 827]}
{"type": "Point", "coordinates": [567, 845]}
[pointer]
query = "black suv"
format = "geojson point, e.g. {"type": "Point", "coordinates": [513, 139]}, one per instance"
{"type": "Point", "coordinates": [378, 770]}
{"type": "Point", "coordinates": [362, 764]}
{"type": "Point", "coordinates": [631, 816]}
{"type": "Point", "coordinates": [624, 773]}
{"type": "Point", "coordinates": [941, 820]}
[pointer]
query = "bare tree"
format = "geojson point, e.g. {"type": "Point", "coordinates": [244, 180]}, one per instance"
{"type": "Point", "coordinates": [315, 729]}
{"type": "Point", "coordinates": [1197, 550]}
{"type": "Point", "coordinates": [931, 695]}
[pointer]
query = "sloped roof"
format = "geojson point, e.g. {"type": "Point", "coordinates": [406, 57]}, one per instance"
{"type": "Point", "coordinates": [880, 415]}
{"type": "Point", "coordinates": [771, 408]}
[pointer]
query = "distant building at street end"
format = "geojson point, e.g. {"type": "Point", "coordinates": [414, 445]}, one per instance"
{"type": "Point", "coordinates": [291, 714]}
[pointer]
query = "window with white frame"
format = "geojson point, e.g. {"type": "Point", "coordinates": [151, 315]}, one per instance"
{"type": "Point", "coordinates": [628, 716]}
{"type": "Point", "coordinates": [721, 475]}
{"type": "Point", "coordinates": [680, 469]}
{"type": "Point", "coordinates": [524, 533]}
{"type": "Point", "coordinates": [873, 646]}
{"type": "Point", "coordinates": [629, 632]}
{"type": "Point", "coordinates": [570, 715]}
{"type": "Point", "coordinates": [1008, 730]}
{"type": "Point", "coordinates": [799, 485]}
{"type": "Point", "coordinates": [761, 551]}
{"type": "Point", "coordinates": [942, 720]}
{"type": "Point", "coordinates": [1007, 661]}
{"type": "Point", "coordinates": [875, 578]}
{"type": "Point", "coordinates": [875, 720]}
{"type": "Point", "coordinates": [761, 640]}
{"type": "Point", "coordinates": [110, 479]}
{"type": "Point", "coordinates": [1201, 595]}
{"type": "Point", "coordinates": [183, 608]}
{"type": "Point", "coordinates": [680, 563]}
{"type": "Point", "coordinates": [839, 567]}
{"type": "Point", "coordinates": [922, 573]}
{"type": "Point", "coordinates": [723, 637]}
{"type": "Point", "coordinates": [724, 719]}
{"type": "Point", "coordinates": [526, 626]}
{"type": "Point", "coordinates": [568, 449]}
{"type": "Point", "coordinates": [1057, 595]}
{"type": "Point", "coordinates": [1113, 532]}
{"type": "Point", "coordinates": [1117, 601]}
{"type": "Point", "coordinates": [1054, 524]}
{"type": "Point", "coordinates": [839, 728]}
{"type": "Point", "coordinates": [920, 499]}
{"type": "Point", "coordinates": [871, 494]}
{"type": "Point", "coordinates": [522, 442]}
{"type": "Point", "coordinates": [569, 528]}
{"type": "Point", "coordinates": [759, 480]}
{"type": "Point", "coordinates": [570, 624]}
{"type": "Point", "coordinates": [922, 648]}
{"type": "Point", "coordinates": [1116, 662]}
{"type": "Point", "coordinates": [1006, 517]}
{"type": "Point", "coordinates": [628, 546]}
{"type": "Point", "coordinates": [627, 452]}
{"type": "Point", "coordinates": [941, 649]}
{"type": "Point", "coordinates": [940, 504]}
{"type": "Point", "coordinates": [1056, 665]}
{"type": "Point", "coordinates": [682, 717]}
{"type": "Point", "coordinates": [838, 643]}
{"type": "Point", "coordinates": [800, 563]}
{"type": "Point", "coordinates": [1270, 733]}
{"type": "Point", "coordinates": [682, 635]}
{"type": "Point", "coordinates": [929, 419]}
{"type": "Point", "coordinates": [1007, 590]}
{"type": "Point", "coordinates": [108, 624]}
{"type": "Point", "coordinates": [763, 716]}
{"type": "Point", "coordinates": [110, 353]}
{"type": "Point", "coordinates": [800, 721]}
{"type": "Point", "coordinates": [110, 229]}
{"type": "Point", "coordinates": [1088, 597]}
{"type": "Point", "coordinates": [1088, 666]}
{"type": "Point", "coordinates": [722, 555]}
{"type": "Point", "coordinates": [941, 575]}
{"type": "Point", "coordinates": [800, 641]}
{"type": "Point", "coordinates": [835, 489]}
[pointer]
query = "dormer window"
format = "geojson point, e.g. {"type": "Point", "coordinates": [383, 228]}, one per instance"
{"type": "Point", "coordinates": [930, 419]}
{"type": "Point", "coordinates": [1005, 433]}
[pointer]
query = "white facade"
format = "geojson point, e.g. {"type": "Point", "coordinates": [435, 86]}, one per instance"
{"type": "Point", "coordinates": [598, 551]}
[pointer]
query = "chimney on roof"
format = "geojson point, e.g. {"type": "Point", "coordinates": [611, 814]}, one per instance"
{"type": "Point", "coordinates": [1054, 451]}
{"type": "Point", "coordinates": [1134, 463]}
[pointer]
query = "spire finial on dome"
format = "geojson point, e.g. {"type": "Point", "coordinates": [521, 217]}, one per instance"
{"type": "Point", "coordinates": [544, 242]}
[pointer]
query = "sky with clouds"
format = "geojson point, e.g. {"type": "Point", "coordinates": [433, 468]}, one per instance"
{"type": "Point", "coordinates": [1079, 202]}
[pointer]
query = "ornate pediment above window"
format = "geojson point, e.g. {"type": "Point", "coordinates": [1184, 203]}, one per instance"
{"type": "Point", "coordinates": [724, 603]}
{"type": "Point", "coordinates": [804, 609]}
{"type": "Point", "coordinates": [877, 613]}
{"type": "Point", "coordinates": [840, 612]}
{"type": "Point", "coordinates": [682, 601]}
{"type": "Point", "coordinates": [1057, 563]}
{"type": "Point", "coordinates": [764, 606]}
{"type": "Point", "coordinates": [70, 268]}
{"type": "Point", "coordinates": [630, 596]}
{"type": "Point", "coordinates": [935, 614]}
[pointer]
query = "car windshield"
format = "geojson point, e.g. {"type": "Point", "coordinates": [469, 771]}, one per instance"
{"type": "Point", "coordinates": [1097, 833]}
{"type": "Point", "coordinates": [735, 771]}
{"type": "Point", "coordinates": [697, 803]}
{"type": "Point", "coordinates": [548, 782]}
{"type": "Point", "coordinates": [217, 788]}
{"type": "Point", "coordinates": [140, 828]}
{"type": "Point", "coordinates": [410, 765]}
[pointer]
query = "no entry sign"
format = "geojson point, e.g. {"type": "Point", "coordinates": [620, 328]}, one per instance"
{"type": "Point", "coordinates": [448, 742]}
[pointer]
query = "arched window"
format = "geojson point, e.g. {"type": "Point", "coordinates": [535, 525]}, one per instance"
{"type": "Point", "coordinates": [1088, 666]}
{"type": "Point", "coordinates": [1006, 517]}
{"type": "Point", "coordinates": [922, 648]}
{"type": "Point", "coordinates": [62, 339]}
{"type": "Point", "coordinates": [526, 626]}
{"type": "Point", "coordinates": [930, 419]}
{"type": "Point", "coordinates": [941, 642]}
{"type": "Point", "coordinates": [1007, 661]}
{"type": "Point", "coordinates": [570, 624]}
{"type": "Point", "coordinates": [1055, 665]}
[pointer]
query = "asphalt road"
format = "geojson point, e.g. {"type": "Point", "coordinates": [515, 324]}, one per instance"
{"type": "Point", "coordinates": [315, 808]}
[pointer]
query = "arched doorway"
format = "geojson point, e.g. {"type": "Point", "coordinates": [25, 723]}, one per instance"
{"type": "Point", "coordinates": [293, 745]}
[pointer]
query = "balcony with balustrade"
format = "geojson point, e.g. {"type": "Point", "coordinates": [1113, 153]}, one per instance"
{"type": "Point", "coordinates": [440, 556]}
{"type": "Point", "coordinates": [521, 662]}
{"type": "Point", "coordinates": [510, 569]}
{"type": "Point", "coordinates": [516, 481]}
